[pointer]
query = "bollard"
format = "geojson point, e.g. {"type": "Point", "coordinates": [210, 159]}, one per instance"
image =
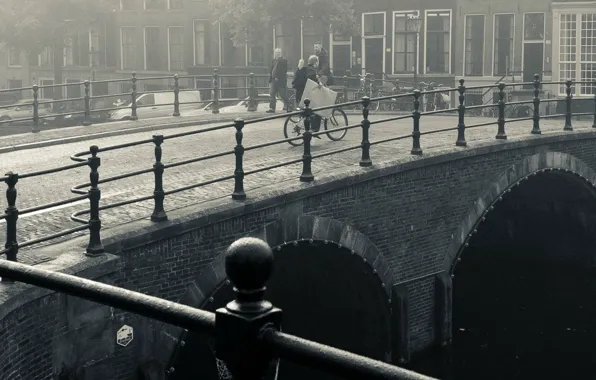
{"type": "Point", "coordinates": [536, 118]}
{"type": "Point", "coordinates": [461, 109]}
{"type": "Point", "coordinates": [501, 121]}
{"type": "Point", "coordinates": [176, 96]}
{"type": "Point", "coordinates": [215, 106]}
{"type": "Point", "coordinates": [238, 326]}
{"type": "Point", "coordinates": [568, 126]}
{"type": "Point", "coordinates": [12, 215]}
{"type": "Point", "coordinates": [35, 109]}
{"type": "Point", "coordinates": [159, 214]}
{"type": "Point", "coordinates": [307, 175]}
{"type": "Point", "coordinates": [252, 94]}
{"type": "Point", "coordinates": [87, 115]}
{"type": "Point", "coordinates": [365, 160]}
{"type": "Point", "coordinates": [416, 150]}
{"type": "Point", "coordinates": [239, 193]}
{"type": "Point", "coordinates": [133, 94]}
{"type": "Point", "coordinates": [94, 248]}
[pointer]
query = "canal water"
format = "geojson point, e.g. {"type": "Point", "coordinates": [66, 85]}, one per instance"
{"type": "Point", "coordinates": [516, 319]}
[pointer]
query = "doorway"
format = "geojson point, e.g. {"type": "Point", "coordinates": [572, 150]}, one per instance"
{"type": "Point", "coordinates": [533, 53]}
{"type": "Point", "coordinates": [373, 43]}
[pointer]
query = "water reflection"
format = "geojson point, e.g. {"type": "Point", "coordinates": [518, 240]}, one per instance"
{"type": "Point", "coordinates": [517, 319]}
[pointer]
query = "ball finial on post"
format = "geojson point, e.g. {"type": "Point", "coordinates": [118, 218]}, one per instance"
{"type": "Point", "coordinates": [249, 265]}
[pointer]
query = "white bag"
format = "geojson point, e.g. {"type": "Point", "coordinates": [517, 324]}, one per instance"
{"type": "Point", "coordinates": [319, 97]}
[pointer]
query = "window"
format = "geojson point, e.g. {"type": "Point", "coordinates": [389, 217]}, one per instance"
{"type": "Point", "coordinates": [256, 56]}
{"type": "Point", "coordinates": [14, 57]}
{"type": "Point", "coordinates": [200, 38]}
{"type": "Point", "coordinates": [153, 56]}
{"type": "Point", "coordinates": [284, 39]}
{"type": "Point", "coordinates": [129, 47]}
{"type": "Point", "coordinates": [97, 48]}
{"type": "Point", "coordinates": [176, 47]}
{"type": "Point", "coordinates": [573, 64]}
{"type": "Point", "coordinates": [175, 4]}
{"type": "Point", "coordinates": [533, 26]}
{"type": "Point", "coordinates": [146, 99]}
{"type": "Point", "coordinates": [68, 51]}
{"type": "Point", "coordinates": [438, 42]}
{"type": "Point", "coordinates": [127, 5]}
{"type": "Point", "coordinates": [474, 49]}
{"type": "Point", "coordinates": [404, 45]}
{"type": "Point", "coordinates": [155, 4]}
{"type": "Point", "coordinates": [46, 92]}
{"type": "Point", "coordinates": [341, 53]}
{"type": "Point", "coordinates": [46, 57]}
{"type": "Point", "coordinates": [503, 43]}
{"type": "Point", "coordinates": [227, 48]}
{"type": "Point", "coordinates": [373, 24]}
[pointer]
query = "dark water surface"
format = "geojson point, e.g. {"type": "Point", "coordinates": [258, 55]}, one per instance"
{"type": "Point", "coordinates": [516, 319]}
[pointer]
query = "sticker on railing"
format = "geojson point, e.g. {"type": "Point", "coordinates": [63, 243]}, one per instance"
{"type": "Point", "coordinates": [124, 336]}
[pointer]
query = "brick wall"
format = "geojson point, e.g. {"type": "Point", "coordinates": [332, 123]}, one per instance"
{"type": "Point", "coordinates": [411, 212]}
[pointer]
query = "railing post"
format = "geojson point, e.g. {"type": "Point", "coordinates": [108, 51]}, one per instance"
{"type": "Point", "coordinates": [215, 107]}
{"type": "Point", "coordinates": [568, 126]}
{"type": "Point", "coordinates": [416, 150]}
{"type": "Point", "coordinates": [365, 160]}
{"type": "Point", "coordinates": [501, 135]}
{"type": "Point", "coordinates": [249, 264]}
{"type": "Point", "coordinates": [461, 109]}
{"type": "Point", "coordinates": [252, 93]}
{"type": "Point", "coordinates": [87, 115]}
{"type": "Point", "coordinates": [239, 193]}
{"type": "Point", "coordinates": [159, 214]}
{"type": "Point", "coordinates": [346, 88]}
{"type": "Point", "coordinates": [133, 94]}
{"type": "Point", "coordinates": [35, 109]}
{"type": "Point", "coordinates": [307, 175]}
{"type": "Point", "coordinates": [95, 247]}
{"type": "Point", "coordinates": [176, 96]}
{"type": "Point", "coordinates": [594, 122]}
{"type": "Point", "coordinates": [536, 128]}
{"type": "Point", "coordinates": [12, 215]}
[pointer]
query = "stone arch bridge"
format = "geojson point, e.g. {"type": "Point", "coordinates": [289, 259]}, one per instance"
{"type": "Point", "coordinates": [366, 252]}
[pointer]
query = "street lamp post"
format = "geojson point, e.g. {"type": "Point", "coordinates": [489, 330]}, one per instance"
{"type": "Point", "coordinates": [413, 22]}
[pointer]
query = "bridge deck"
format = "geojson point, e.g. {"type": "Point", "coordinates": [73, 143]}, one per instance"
{"type": "Point", "coordinates": [32, 192]}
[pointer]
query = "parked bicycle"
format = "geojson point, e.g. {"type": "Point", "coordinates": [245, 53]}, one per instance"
{"type": "Point", "coordinates": [367, 88]}
{"type": "Point", "coordinates": [436, 101]}
{"type": "Point", "coordinates": [294, 126]}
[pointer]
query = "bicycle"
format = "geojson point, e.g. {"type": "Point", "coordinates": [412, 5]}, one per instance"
{"type": "Point", "coordinates": [296, 126]}
{"type": "Point", "coordinates": [367, 88]}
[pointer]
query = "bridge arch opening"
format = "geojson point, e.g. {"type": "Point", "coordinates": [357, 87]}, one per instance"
{"type": "Point", "coordinates": [328, 294]}
{"type": "Point", "coordinates": [524, 283]}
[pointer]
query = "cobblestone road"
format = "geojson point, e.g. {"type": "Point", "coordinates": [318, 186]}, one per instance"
{"type": "Point", "coordinates": [54, 187]}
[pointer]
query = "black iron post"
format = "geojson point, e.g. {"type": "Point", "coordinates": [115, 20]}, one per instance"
{"type": "Point", "coordinates": [239, 193]}
{"type": "Point", "coordinates": [12, 215]}
{"type": "Point", "coordinates": [365, 160]}
{"type": "Point", "coordinates": [568, 126]}
{"type": "Point", "coordinates": [133, 94]}
{"type": "Point", "coordinates": [215, 107]}
{"type": "Point", "coordinates": [501, 135]}
{"type": "Point", "coordinates": [594, 122]}
{"type": "Point", "coordinates": [95, 247]}
{"type": "Point", "coordinates": [252, 93]}
{"type": "Point", "coordinates": [461, 109]}
{"type": "Point", "coordinates": [159, 214]}
{"type": "Point", "coordinates": [416, 150]}
{"type": "Point", "coordinates": [35, 109]}
{"type": "Point", "coordinates": [346, 87]}
{"type": "Point", "coordinates": [176, 96]}
{"type": "Point", "coordinates": [536, 127]}
{"type": "Point", "coordinates": [238, 326]}
{"type": "Point", "coordinates": [87, 115]}
{"type": "Point", "coordinates": [307, 175]}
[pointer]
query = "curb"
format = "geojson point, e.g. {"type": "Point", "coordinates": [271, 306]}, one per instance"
{"type": "Point", "coordinates": [92, 136]}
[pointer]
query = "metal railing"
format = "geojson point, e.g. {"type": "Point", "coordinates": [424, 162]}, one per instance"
{"type": "Point", "coordinates": [246, 332]}
{"type": "Point", "coordinates": [90, 190]}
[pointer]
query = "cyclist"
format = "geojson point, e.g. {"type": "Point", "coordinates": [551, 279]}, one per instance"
{"type": "Point", "coordinates": [300, 76]}
{"type": "Point", "coordinates": [311, 73]}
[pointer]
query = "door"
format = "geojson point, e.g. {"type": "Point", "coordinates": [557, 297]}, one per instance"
{"type": "Point", "coordinates": [374, 55]}
{"type": "Point", "coordinates": [533, 54]}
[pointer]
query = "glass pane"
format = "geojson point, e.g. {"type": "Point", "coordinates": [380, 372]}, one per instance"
{"type": "Point", "coordinates": [374, 24]}
{"type": "Point", "coordinates": [534, 26]}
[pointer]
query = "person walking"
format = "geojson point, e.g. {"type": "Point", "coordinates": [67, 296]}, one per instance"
{"type": "Point", "coordinates": [278, 80]}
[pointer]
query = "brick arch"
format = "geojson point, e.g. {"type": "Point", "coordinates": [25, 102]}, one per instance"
{"type": "Point", "coordinates": [513, 176]}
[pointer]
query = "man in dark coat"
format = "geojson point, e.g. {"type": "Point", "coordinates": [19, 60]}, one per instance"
{"type": "Point", "coordinates": [324, 65]}
{"type": "Point", "coordinates": [278, 80]}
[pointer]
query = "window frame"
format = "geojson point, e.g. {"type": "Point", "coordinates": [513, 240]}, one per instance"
{"type": "Point", "coordinates": [484, 18]}
{"type": "Point", "coordinates": [382, 36]}
{"type": "Point", "coordinates": [494, 45]}
{"type": "Point", "coordinates": [394, 48]}
{"type": "Point", "coordinates": [122, 67]}
{"type": "Point", "coordinates": [170, 27]}
{"type": "Point", "coordinates": [145, 66]}
{"type": "Point", "coordinates": [166, 4]}
{"type": "Point", "coordinates": [194, 41]}
{"type": "Point", "coordinates": [9, 55]}
{"type": "Point", "coordinates": [450, 32]}
{"type": "Point", "coordinates": [169, 6]}
{"type": "Point", "coordinates": [333, 43]}
{"type": "Point", "coordinates": [127, 10]}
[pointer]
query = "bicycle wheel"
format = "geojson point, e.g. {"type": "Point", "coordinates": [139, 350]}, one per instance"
{"type": "Point", "coordinates": [523, 111]}
{"type": "Point", "coordinates": [358, 96]}
{"type": "Point", "coordinates": [292, 103]}
{"type": "Point", "coordinates": [294, 128]}
{"type": "Point", "coordinates": [338, 119]}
